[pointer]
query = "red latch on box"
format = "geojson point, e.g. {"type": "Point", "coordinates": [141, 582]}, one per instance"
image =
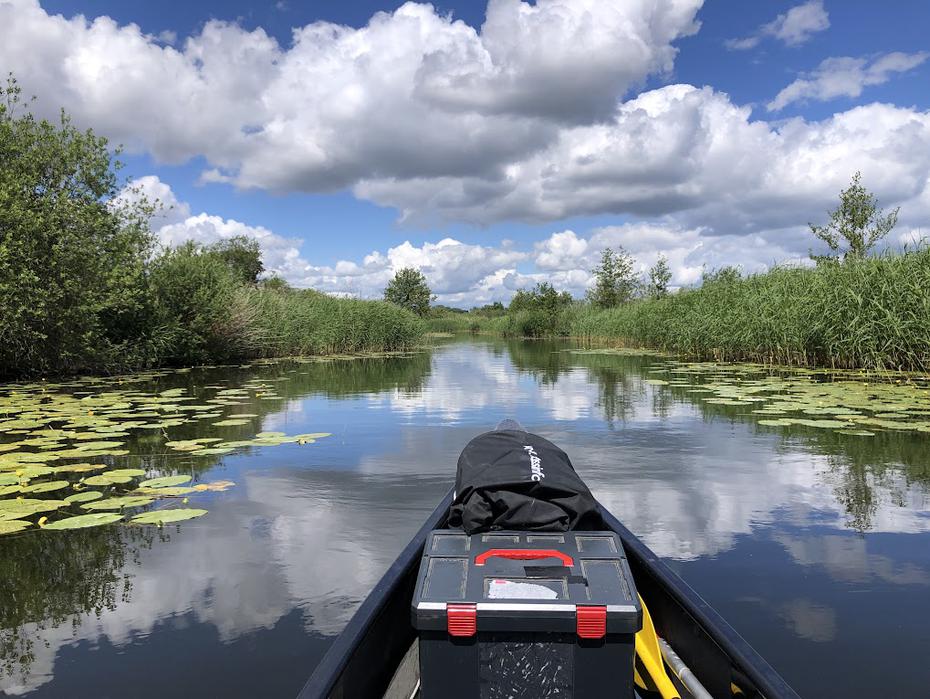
{"type": "Point", "coordinates": [461, 619]}
{"type": "Point", "coordinates": [592, 621]}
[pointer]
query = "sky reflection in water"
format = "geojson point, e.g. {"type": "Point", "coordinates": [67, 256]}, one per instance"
{"type": "Point", "coordinates": [813, 546]}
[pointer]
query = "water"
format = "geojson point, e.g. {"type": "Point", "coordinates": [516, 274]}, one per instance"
{"type": "Point", "coordinates": [813, 545]}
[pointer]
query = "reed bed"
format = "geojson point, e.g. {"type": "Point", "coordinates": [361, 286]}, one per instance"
{"type": "Point", "coordinates": [871, 313]}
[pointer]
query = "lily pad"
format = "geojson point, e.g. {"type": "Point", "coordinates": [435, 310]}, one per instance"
{"type": "Point", "coordinates": [84, 496]}
{"type": "Point", "coordinates": [47, 487]}
{"type": "Point", "coordinates": [25, 507]}
{"type": "Point", "coordinates": [165, 481]}
{"type": "Point", "coordinates": [160, 517]}
{"type": "Point", "coordinates": [105, 479]}
{"type": "Point", "coordinates": [96, 519]}
{"type": "Point", "coordinates": [169, 491]}
{"type": "Point", "coordinates": [131, 472]}
{"type": "Point", "coordinates": [13, 526]}
{"type": "Point", "coordinates": [231, 423]}
{"type": "Point", "coordinates": [118, 503]}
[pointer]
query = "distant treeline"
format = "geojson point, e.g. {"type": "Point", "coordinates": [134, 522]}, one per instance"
{"type": "Point", "coordinates": [84, 287]}
{"type": "Point", "coordinates": [863, 312]}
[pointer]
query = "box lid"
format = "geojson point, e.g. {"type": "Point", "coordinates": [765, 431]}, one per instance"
{"type": "Point", "coordinates": [576, 581]}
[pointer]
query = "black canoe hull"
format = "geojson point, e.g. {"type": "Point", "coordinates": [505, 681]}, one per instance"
{"type": "Point", "coordinates": [364, 657]}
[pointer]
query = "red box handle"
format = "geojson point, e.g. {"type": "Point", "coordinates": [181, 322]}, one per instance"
{"type": "Point", "coordinates": [461, 619]}
{"type": "Point", "coordinates": [523, 555]}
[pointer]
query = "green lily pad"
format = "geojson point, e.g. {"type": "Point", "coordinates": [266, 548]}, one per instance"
{"type": "Point", "coordinates": [165, 481]}
{"type": "Point", "coordinates": [857, 433]}
{"type": "Point", "coordinates": [47, 487]}
{"type": "Point", "coordinates": [131, 472]}
{"type": "Point", "coordinates": [96, 519]}
{"type": "Point", "coordinates": [169, 491]}
{"type": "Point", "coordinates": [231, 423]}
{"type": "Point", "coordinates": [118, 503]}
{"type": "Point", "coordinates": [10, 489]}
{"type": "Point", "coordinates": [160, 517]}
{"type": "Point", "coordinates": [105, 479]}
{"type": "Point", "coordinates": [13, 526]}
{"type": "Point", "coordinates": [84, 496]}
{"type": "Point", "coordinates": [24, 507]}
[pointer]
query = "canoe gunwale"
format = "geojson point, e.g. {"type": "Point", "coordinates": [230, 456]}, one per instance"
{"type": "Point", "coordinates": [327, 675]}
{"type": "Point", "coordinates": [741, 654]}
{"type": "Point", "coordinates": [330, 680]}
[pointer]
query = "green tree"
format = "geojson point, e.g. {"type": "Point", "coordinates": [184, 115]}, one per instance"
{"type": "Point", "coordinates": [659, 276]}
{"type": "Point", "coordinates": [857, 222]}
{"type": "Point", "coordinates": [614, 279]}
{"type": "Point", "coordinates": [542, 297]}
{"type": "Point", "coordinates": [243, 256]}
{"type": "Point", "coordinates": [408, 289]}
{"type": "Point", "coordinates": [72, 265]}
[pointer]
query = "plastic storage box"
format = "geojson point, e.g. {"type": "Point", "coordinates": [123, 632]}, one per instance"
{"type": "Point", "coordinates": [522, 614]}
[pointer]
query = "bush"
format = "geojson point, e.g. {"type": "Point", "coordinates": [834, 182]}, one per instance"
{"type": "Point", "coordinates": [72, 267]}
{"type": "Point", "coordinates": [200, 309]}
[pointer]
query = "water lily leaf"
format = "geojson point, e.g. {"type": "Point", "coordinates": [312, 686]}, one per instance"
{"type": "Point", "coordinates": [857, 433]}
{"type": "Point", "coordinates": [165, 481]}
{"type": "Point", "coordinates": [46, 487]}
{"type": "Point", "coordinates": [165, 491]}
{"type": "Point", "coordinates": [211, 452]}
{"type": "Point", "coordinates": [167, 516]}
{"type": "Point", "coordinates": [84, 496]}
{"type": "Point", "coordinates": [775, 423]}
{"type": "Point", "coordinates": [100, 445]}
{"type": "Point", "coordinates": [12, 526]}
{"type": "Point", "coordinates": [118, 503]}
{"type": "Point", "coordinates": [107, 479]}
{"type": "Point", "coordinates": [656, 382]}
{"type": "Point", "coordinates": [312, 435]}
{"type": "Point", "coordinates": [83, 521]}
{"type": "Point", "coordinates": [9, 479]}
{"type": "Point", "coordinates": [79, 468]}
{"type": "Point", "coordinates": [24, 507]}
{"type": "Point", "coordinates": [131, 472]}
{"type": "Point", "coordinates": [10, 489]}
{"type": "Point", "coordinates": [267, 435]}
{"type": "Point", "coordinates": [230, 423]}
{"type": "Point", "coordinates": [35, 472]}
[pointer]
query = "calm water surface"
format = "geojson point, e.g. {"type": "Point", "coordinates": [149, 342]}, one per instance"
{"type": "Point", "coordinates": [815, 546]}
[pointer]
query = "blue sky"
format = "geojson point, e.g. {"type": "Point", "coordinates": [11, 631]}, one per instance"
{"type": "Point", "coordinates": [708, 133]}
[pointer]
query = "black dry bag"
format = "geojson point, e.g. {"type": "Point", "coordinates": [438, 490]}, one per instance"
{"type": "Point", "coordinates": [509, 479]}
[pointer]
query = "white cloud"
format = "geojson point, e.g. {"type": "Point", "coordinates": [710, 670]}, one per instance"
{"type": "Point", "coordinates": [846, 77]}
{"type": "Point", "coordinates": [792, 28]}
{"type": "Point", "coordinates": [423, 113]}
{"type": "Point", "coordinates": [693, 155]}
{"type": "Point", "coordinates": [412, 93]}
{"type": "Point", "coordinates": [467, 274]}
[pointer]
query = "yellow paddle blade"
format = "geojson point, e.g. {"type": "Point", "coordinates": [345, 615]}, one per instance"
{"type": "Point", "coordinates": [647, 649]}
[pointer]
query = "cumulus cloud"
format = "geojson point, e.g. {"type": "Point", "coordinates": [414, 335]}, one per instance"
{"type": "Point", "coordinates": [518, 120]}
{"type": "Point", "coordinates": [412, 93]}
{"type": "Point", "coordinates": [793, 28]}
{"type": "Point", "coordinates": [468, 274]}
{"type": "Point", "coordinates": [846, 77]}
{"type": "Point", "coordinates": [692, 154]}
